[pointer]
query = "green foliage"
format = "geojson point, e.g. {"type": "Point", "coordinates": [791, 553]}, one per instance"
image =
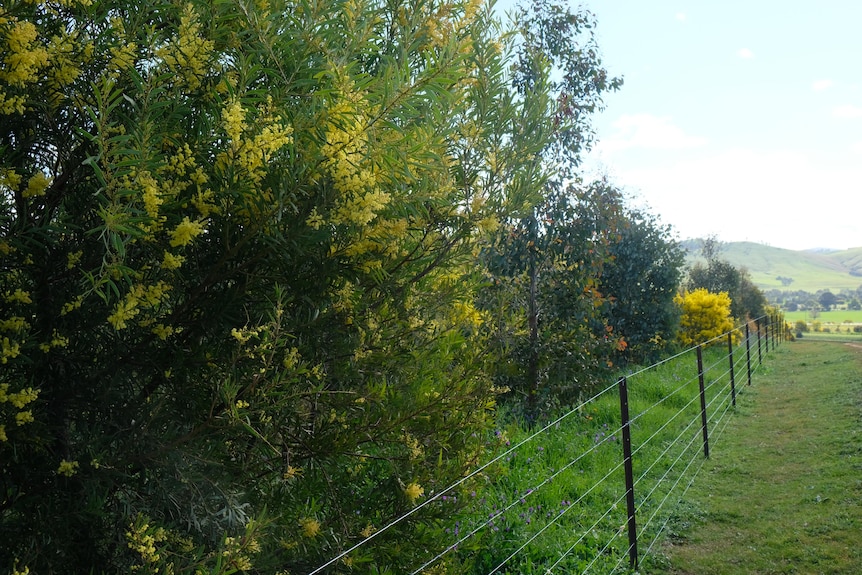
{"type": "Point", "coordinates": [705, 316]}
{"type": "Point", "coordinates": [226, 250]}
{"type": "Point", "coordinates": [575, 288]}
{"type": "Point", "coordinates": [640, 282]}
{"type": "Point", "coordinates": [555, 36]}
{"type": "Point", "coordinates": [547, 332]}
{"type": "Point", "coordinates": [237, 257]}
{"type": "Point", "coordinates": [719, 275]}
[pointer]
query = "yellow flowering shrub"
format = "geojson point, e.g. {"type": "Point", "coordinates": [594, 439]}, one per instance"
{"type": "Point", "coordinates": [705, 316]}
{"type": "Point", "coordinates": [238, 275]}
{"type": "Point", "coordinates": [187, 54]}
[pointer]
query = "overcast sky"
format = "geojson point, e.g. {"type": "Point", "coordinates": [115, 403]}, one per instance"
{"type": "Point", "coordinates": [739, 118]}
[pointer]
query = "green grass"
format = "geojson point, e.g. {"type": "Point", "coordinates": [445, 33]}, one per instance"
{"type": "Point", "coordinates": [832, 316]}
{"type": "Point", "coordinates": [782, 493]}
{"type": "Point", "coordinates": [840, 336]}
{"type": "Point", "coordinates": [579, 515]}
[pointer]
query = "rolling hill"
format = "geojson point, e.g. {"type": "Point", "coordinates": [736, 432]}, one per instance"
{"type": "Point", "coordinates": [809, 270]}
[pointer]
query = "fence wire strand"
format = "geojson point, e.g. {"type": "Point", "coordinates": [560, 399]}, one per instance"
{"type": "Point", "coordinates": [748, 361]}
{"type": "Point", "coordinates": [578, 500]}
{"type": "Point", "coordinates": [520, 501]}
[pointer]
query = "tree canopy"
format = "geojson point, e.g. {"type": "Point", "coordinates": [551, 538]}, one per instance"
{"type": "Point", "coordinates": [239, 314]}
{"type": "Point", "coordinates": [640, 282]}
{"type": "Point", "coordinates": [719, 275]}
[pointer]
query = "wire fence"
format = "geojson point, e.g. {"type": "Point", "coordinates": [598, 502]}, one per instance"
{"type": "Point", "coordinates": [604, 477]}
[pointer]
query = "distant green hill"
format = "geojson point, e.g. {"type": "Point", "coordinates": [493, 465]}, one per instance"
{"type": "Point", "coordinates": [801, 270]}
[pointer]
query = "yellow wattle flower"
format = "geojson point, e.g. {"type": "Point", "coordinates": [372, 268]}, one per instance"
{"type": "Point", "coordinates": [413, 492]}
{"type": "Point", "coordinates": [310, 527]}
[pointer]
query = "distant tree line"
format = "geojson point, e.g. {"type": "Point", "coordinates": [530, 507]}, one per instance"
{"type": "Point", "coordinates": [821, 300]}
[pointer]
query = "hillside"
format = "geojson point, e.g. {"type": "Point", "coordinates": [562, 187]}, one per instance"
{"type": "Point", "coordinates": [809, 270]}
{"type": "Point", "coordinates": [852, 259]}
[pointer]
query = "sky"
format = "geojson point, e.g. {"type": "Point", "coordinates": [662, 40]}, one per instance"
{"type": "Point", "coordinates": [739, 119]}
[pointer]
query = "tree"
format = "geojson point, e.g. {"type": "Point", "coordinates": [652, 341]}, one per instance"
{"type": "Point", "coordinates": [237, 270]}
{"type": "Point", "coordinates": [549, 339]}
{"type": "Point", "coordinates": [813, 309]}
{"type": "Point", "coordinates": [705, 316]}
{"type": "Point", "coordinates": [751, 299]}
{"type": "Point", "coordinates": [542, 265]}
{"type": "Point", "coordinates": [827, 299]}
{"type": "Point", "coordinates": [719, 275]}
{"type": "Point", "coordinates": [559, 50]}
{"type": "Point", "coordinates": [640, 282]}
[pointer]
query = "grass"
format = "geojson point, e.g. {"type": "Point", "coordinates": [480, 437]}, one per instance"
{"type": "Point", "coordinates": [840, 336]}
{"type": "Point", "coordinates": [782, 493]}
{"type": "Point", "coordinates": [558, 501]}
{"type": "Point", "coordinates": [832, 316]}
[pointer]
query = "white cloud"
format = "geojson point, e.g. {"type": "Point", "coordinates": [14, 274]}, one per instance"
{"type": "Point", "coordinates": [750, 194]}
{"type": "Point", "coordinates": [745, 53]}
{"type": "Point", "coordinates": [847, 111]}
{"type": "Point", "coordinates": [821, 85]}
{"type": "Point", "coordinates": [680, 16]}
{"type": "Point", "coordinates": [647, 131]}
{"type": "Point", "coordinates": [856, 147]}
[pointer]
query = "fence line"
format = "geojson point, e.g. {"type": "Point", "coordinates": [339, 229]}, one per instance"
{"type": "Point", "coordinates": [653, 493]}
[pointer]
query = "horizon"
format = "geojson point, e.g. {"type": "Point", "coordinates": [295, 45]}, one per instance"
{"type": "Point", "coordinates": [819, 249]}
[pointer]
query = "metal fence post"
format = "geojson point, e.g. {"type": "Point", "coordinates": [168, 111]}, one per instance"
{"type": "Point", "coordinates": [783, 337]}
{"type": "Point", "coordinates": [770, 332]}
{"type": "Point", "coordinates": [732, 376]}
{"type": "Point", "coordinates": [780, 328]}
{"type": "Point", "coordinates": [627, 464]}
{"type": "Point", "coordinates": [702, 402]}
{"type": "Point", "coordinates": [759, 353]}
{"type": "Point", "coordinates": [748, 351]}
{"type": "Point", "coordinates": [776, 331]}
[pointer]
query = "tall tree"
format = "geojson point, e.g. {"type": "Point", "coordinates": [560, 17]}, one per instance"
{"type": "Point", "coordinates": [719, 275]}
{"type": "Point", "coordinates": [827, 299]}
{"type": "Point", "coordinates": [545, 263]}
{"type": "Point", "coordinates": [640, 282]}
{"type": "Point", "coordinates": [548, 335]}
{"type": "Point", "coordinates": [237, 263]}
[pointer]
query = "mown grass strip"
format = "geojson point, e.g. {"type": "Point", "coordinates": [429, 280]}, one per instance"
{"type": "Point", "coordinates": [782, 492]}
